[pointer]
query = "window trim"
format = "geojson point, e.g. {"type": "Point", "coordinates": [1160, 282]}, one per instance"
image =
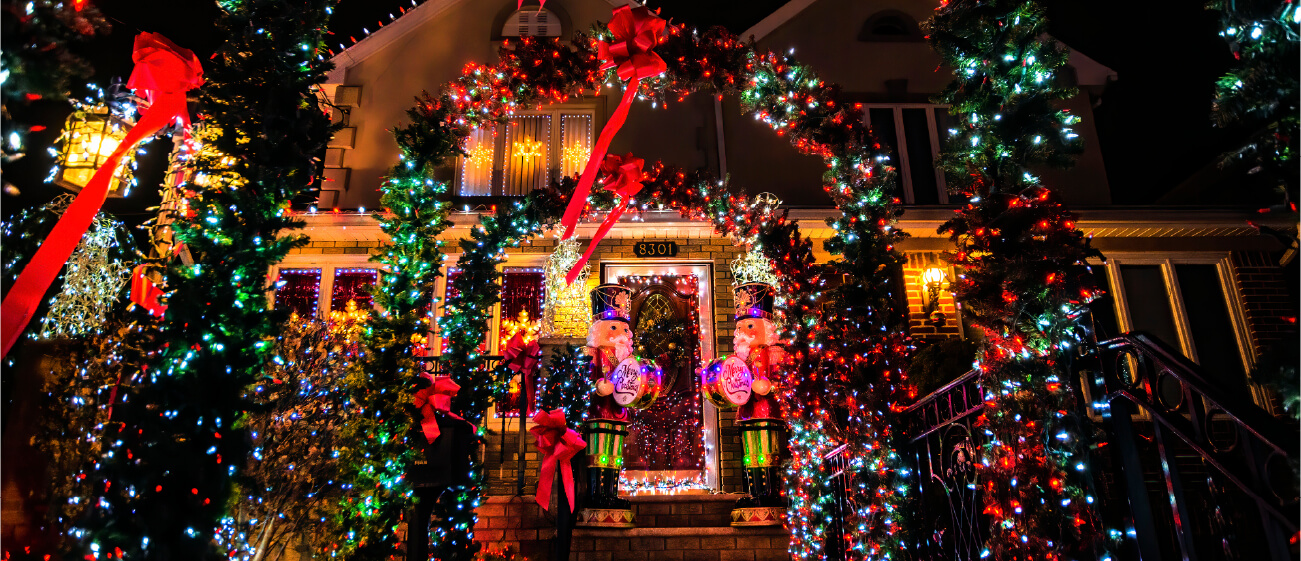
{"type": "Point", "coordinates": [901, 139]}
{"type": "Point", "coordinates": [1233, 301]}
{"type": "Point", "coordinates": [327, 264]}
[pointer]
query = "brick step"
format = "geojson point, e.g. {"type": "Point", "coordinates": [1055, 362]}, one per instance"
{"type": "Point", "coordinates": [683, 510]}
{"type": "Point", "coordinates": [681, 544]}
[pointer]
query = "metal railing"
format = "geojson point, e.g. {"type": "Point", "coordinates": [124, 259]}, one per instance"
{"type": "Point", "coordinates": [1202, 473]}
{"type": "Point", "coordinates": [1249, 496]}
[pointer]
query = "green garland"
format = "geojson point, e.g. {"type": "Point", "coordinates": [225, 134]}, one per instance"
{"type": "Point", "coordinates": [533, 72]}
{"type": "Point", "coordinates": [1025, 281]}
{"type": "Point", "coordinates": [175, 447]}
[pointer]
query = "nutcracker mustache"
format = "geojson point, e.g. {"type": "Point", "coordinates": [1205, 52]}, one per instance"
{"type": "Point", "coordinates": [741, 342]}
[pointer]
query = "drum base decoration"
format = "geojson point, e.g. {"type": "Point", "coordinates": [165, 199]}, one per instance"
{"type": "Point", "coordinates": [758, 516]}
{"type": "Point", "coordinates": [604, 518]}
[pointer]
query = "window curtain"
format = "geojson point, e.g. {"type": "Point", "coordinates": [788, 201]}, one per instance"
{"type": "Point", "coordinates": [476, 168]}
{"type": "Point", "coordinates": [521, 290]}
{"type": "Point", "coordinates": [299, 291]}
{"type": "Point", "coordinates": [528, 154]}
{"type": "Point", "coordinates": [353, 284]}
{"type": "Point", "coordinates": [576, 143]}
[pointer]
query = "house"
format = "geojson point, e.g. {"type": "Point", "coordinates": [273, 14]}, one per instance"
{"type": "Point", "coordinates": [1202, 280]}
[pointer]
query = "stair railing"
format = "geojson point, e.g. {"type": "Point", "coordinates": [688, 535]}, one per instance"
{"type": "Point", "coordinates": [1244, 445]}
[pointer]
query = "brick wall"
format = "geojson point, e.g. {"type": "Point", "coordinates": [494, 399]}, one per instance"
{"type": "Point", "coordinates": [515, 522]}
{"type": "Point", "coordinates": [1266, 299]}
{"type": "Point", "coordinates": [919, 324]}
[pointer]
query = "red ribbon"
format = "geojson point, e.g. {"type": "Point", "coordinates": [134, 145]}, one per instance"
{"type": "Point", "coordinates": [435, 399]}
{"type": "Point", "coordinates": [558, 444]}
{"type": "Point", "coordinates": [145, 293]}
{"type": "Point", "coordinates": [636, 32]}
{"type": "Point", "coordinates": [524, 358]}
{"type": "Point", "coordinates": [163, 73]}
{"type": "Point", "coordinates": [625, 181]}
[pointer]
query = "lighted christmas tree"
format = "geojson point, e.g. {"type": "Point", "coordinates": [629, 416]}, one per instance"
{"type": "Point", "coordinates": [1260, 92]}
{"type": "Point", "coordinates": [1025, 281]}
{"type": "Point", "coordinates": [176, 445]}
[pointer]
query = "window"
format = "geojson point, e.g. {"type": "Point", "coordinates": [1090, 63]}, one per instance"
{"type": "Point", "coordinates": [527, 152]}
{"type": "Point", "coordinates": [353, 285]}
{"type": "Point", "coordinates": [299, 290]}
{"type": "Point", "coordinates": [912, 132]}
{"type": "Point", "coordinates": [531, 21]}
{"type": "Point", "coordinates": [1190, 303]}
{"type": "Point", "coordinates": [890, 26]}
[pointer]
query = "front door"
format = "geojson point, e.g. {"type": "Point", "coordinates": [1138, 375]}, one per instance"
{"type": "Point", "coordinates": [666, 437]}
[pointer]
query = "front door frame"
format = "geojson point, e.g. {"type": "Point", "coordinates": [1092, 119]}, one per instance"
{"type": "Point", "coordinates": [704, 271]}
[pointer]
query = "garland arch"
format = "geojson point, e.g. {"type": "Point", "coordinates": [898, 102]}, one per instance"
{"type": "Point", "coordinates": [848, 369]}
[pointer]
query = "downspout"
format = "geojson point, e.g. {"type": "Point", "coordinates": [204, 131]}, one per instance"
{"type": "Point", "coordinates": [722, 145]}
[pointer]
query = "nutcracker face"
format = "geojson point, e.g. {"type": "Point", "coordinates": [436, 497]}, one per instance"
{"type": "Point", "coordinates": [611, 334]}
{"type": "Point", "coordinates": [753, 332]}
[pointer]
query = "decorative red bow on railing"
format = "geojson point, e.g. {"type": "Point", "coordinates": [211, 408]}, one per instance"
{"type": "Point", "coordinates": [624, 179]}
{"type": "Point", "coordinates": [636, 32]}
{"type": "Point", "coordinates": [163, 73]}
{"type": "Point", "coordinates": [525, 359]}
{"type": "Point", "coordinates": [558, 444]}
{"type": "Point", "coordinates": [435, 398]}
{"type": "Point", "coordinates": [145, 293]}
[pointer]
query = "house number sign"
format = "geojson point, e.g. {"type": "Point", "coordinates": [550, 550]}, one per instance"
{"type": "Point", "coordinates": [655, 249]}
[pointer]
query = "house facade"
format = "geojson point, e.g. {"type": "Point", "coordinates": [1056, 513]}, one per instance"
{"type": "Point", "coordinates": [1201, 279]}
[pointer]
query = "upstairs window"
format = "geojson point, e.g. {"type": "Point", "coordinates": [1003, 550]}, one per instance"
{"type": "Point", "coordinates": [891, 26]}
{"type": "Point", "coordinates": [531, 22]}
{"type": "Point", "coordinates": [913, 132]}
{"type": "Point", "coordinates": [527, 152]}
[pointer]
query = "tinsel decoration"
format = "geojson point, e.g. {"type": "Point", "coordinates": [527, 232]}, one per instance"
{"type": "Point", "coordinates": [92, 280]}
{"type": "Point", "coordinates": [1025, 280]}
{"type": "Point", "coordinates": [563, 298]}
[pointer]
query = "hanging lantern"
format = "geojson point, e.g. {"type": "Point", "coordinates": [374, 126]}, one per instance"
{"type": "Point", "coordinates": [89, 137]}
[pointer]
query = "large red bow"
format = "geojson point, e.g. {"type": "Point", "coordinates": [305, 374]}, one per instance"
{"type": "Point", "coordinates": [624, 179]}
{"type": "Point", "coordinates": [524, 358]}
{"type": "Point", "coordinates": [558, 444]}
{"type": "Point", "coordinates": [435, 398]}
{"type": "Point", "coordinates": [636, 32]}
{"type": "Point", "coordinates": [163, 73]}
{"type": "Point", "coordinates": [145, 293]}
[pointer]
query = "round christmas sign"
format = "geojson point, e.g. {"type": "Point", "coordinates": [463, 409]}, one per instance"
{"type": "Point", "coordinates": [726, 382]}
{"type": "Point", "coordinates": [636, 384]}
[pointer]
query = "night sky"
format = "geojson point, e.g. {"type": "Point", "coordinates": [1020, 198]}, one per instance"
{"type": "Point", "coordinates": [1154, 122]}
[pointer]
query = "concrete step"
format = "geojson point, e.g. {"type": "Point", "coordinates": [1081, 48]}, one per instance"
{"type": "Point", "coordinates": [683, 510]}
{"type": "Point", "coordinates": [681, 544]}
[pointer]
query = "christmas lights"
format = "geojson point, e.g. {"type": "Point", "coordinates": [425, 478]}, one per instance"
{"type": "Point", "coordinates": [1024, 278]}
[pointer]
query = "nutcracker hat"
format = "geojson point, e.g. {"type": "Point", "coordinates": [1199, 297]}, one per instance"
{"type": "Point", "coordinates": [754, 300]}
{"type": "Point", "coordinates": [612, 301]}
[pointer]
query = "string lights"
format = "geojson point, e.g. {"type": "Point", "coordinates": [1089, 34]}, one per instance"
{"type": "Point", "coordinates": [1024, 280]}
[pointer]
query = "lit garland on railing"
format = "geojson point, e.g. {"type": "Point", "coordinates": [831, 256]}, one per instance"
{"type": "Point", "coordinates": [1025, 281]}
{"type": "Point", "coordinates": [834, 402]}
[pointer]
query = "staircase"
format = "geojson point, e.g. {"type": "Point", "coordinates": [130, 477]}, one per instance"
{"type": "Point", "coordinates": [681, 527]}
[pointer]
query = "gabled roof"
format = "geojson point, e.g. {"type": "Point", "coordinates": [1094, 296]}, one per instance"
{"type": "Point", "coordinates": [408, 22]}
{"type": "Point", "coordinates": [1089, 72]}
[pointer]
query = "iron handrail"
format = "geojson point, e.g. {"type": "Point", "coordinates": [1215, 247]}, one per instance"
{"type": "Point", "coordinates": [919, 427]}
{"type": "Point", "coordinates": [1261, 438]}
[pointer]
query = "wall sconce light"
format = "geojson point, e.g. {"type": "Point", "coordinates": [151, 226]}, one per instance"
{"type": "Point", "coordinates": [90, 137]}
{"type": "Point", "coordinates": [933, 281]}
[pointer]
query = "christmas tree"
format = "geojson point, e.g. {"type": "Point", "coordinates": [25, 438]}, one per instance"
{"type": "Point", "coordinates": [177, 444]}
{"type": "Point", "coordinates": [1025, 281]}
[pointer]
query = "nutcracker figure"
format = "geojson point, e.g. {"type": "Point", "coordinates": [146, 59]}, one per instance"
{"type": "Point", "coordinates": [619, 380]}
{"type": "Point", "coordinates": [746, 381]}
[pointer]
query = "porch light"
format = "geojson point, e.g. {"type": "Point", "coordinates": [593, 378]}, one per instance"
{"type": "Point", "coordinates": [90, 137]}
{"type": "Point", "coordinates": [933, 281]}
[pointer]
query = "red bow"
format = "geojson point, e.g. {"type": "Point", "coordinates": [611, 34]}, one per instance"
{"type": "Point", "coordinates": [163, 73]}
{"type": "Point", "coordinates": [624, 179]}
{"type": "Point", "coordinates": [437, 397]}
{"type": "Point", "coordinates": [524, 358]}
{"type": "Point", "coordinates": [558, 444]}
{"type": "Point", "coordinates": [145, 293]}
{"type": "Point", "coordinates": [636, 32]}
